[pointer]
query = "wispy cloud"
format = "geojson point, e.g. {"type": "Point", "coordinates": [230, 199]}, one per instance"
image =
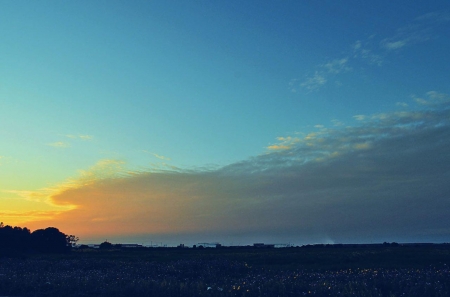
{"type": "Point", "coordinates": [337, 123]}
{"type": "Point", "coordinates": [29, 215]}
{"type": "Point", "coordinates": [285, 143]}
{"type": "Point", "coordinates": [406, 36]}
{"type": "Point", "coordinates": [37, 196]}
{"type": "Point", "coordinates": [65, 144]}
{"type": "Point", "coordinates": [336, 66]}
{"type": "Point", "coordinates": [421, 29]}
{"type": "Point", "coordinates": [277, 147]}
{"type": "Point", "coordinates": [402, 104]}
{"type": "Point", "coordinates": [373, 50]}
{"type": "Point", "coordinates": [322, 75]}
{"type": "Point", "coordinates": [80, 136]}
{"type": "Point", "coordinates": [59, 144]}
{"type": "Point", "coordinates": [365, 50]}
{"type": "Point", "coordinates": [432, 98]}
{"type": "Point", "coordinates": [393, 45]}
{"type": "Point", "coordinates": [367, 182]}
{"type": "Point", "coordinates": [360, 117]}
{"type": "Point", "coordinates": [314, 82]}
{"type": "Point", "coordinates": [435, 17]}
{"type": "Point", "coordinates": [161, 157]}
{"type": "Point", "coordinates": [102, 170]}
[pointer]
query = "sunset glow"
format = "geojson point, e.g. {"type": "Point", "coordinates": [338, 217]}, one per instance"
{"type": "Point", "coordinates": [227, 121]}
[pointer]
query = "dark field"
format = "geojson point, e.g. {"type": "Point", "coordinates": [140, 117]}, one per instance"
{"type": "Point", "coordinates": [314, 271]}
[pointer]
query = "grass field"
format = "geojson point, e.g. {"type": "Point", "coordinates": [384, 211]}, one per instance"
{"type": "Point", "coordinates": [314, 271]}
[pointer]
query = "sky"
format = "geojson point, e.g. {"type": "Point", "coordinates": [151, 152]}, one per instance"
{"type": "Point", "coordinates": [226, 121]}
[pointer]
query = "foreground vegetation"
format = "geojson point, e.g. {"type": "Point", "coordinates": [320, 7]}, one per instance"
{"type": "Point", "coordinates": [315, 271]}
{"type": "Point", "coordinates": [49, 240]}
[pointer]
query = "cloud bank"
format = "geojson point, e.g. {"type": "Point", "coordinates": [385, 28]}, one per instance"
{"type": "Point", "coordinates": [386, 179]}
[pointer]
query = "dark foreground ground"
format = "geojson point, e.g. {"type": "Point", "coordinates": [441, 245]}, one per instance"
{"type": "Point", "coordinates": [315, 271]}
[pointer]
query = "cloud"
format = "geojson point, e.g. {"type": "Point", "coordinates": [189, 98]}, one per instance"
{"type": "Point", "coordinates": [321, 76]}
{"type": "Point", "coordinates": [374, 50]}
{"type": "Point", "coordinates": [161, 157]}
{"type": "Point", "coordinates": [63, 144]}
{"type": "Point", "coordinates": [435, 17]}
{"type": "Point", "coordinates": [285, 143]}
{"type": "Point", "coordinates": [277, 147]}
{"type": "Point", "coordinates": [337, 66]}
{"type": "Point", "coordinates": [432, 98]}
{"type": "Point", "coordinates": [29, 215]}
{"type": "Point", "coordinates": [59, 144]}
{"type": "Point", "coordinates": [359, 117]}
{"type": "Point", "coordinates": [362, 146]}
{"type": "Point", "coordinates": [438, 97]}
{"type": "Point", "coordinates": [314, 82]}
{"type": "Point", "coordinates": [337, 123]}
{"type": "Point", "coordinates": [422, 29]}
{"type": "Point", "coordinates": [293, 85]}
{"type": "Point", "coordinates": [402, 104]}
{"type": "Point", "coordinates": [86, 137]}
{"type": "Point", "coordinates": [406, 37]}
{"type": "Point", "coordinates": [357, 46]}
{"type": "Point", "coordinates": [393, 45]}
{"type": "Point", "coordinates": [365, 52]}
{"type": "Point", "coordinates": [103, 170]}
{"type": "Point", "coordinates": [82, 137]}
{"type": "Point", "coordinates": [385, 179]}
{"type": "Point", "coordinates": [157, 156]}
{"type": "Point", "coordinates": [37, 196]}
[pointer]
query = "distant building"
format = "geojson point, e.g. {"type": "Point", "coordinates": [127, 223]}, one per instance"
{"type": "Point", "coordinates": [262, 245]}
{"type": "Point", "coordinates": [130, 245]}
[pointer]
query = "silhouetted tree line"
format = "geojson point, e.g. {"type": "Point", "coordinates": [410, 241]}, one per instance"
{"type": "Point", "coordinates": [49, 240]}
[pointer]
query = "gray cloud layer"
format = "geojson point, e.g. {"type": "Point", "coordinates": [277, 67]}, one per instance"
{"type": "Point", "coordinates": [384, 180]}
{"type": "Point", "coordinates": [389, 178]}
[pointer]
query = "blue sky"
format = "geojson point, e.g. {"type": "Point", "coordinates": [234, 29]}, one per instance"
{"type": "Point", "coordinates": [95, 91]}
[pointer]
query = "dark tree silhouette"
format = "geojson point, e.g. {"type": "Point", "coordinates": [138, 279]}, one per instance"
{"type": "Point", "coordinates": [72, 240]}
{"type": "Point", "coordinates": [14, 237]}
{"type": "Point", "coordinates": [106, 245]}
{"type": "Point", "coordinates": [49, 240]}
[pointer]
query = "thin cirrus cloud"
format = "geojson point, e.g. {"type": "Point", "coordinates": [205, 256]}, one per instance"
{"type": "Point", "coordinates": [406, 36]}
{"type": "Point", "coordinates": [322, 75]}
{"type": "Point", "coordinates": [385, 179]}
{"type": "Point", "coordinates": [37, 196]}
{"type": "Point", "coordinates": [402, 104]}
{"type": "Point", "coordinates": [373, 51]}
{"type": "Point", "coordinates": [420, 30]}
{"type": "Point", "coordinates": [82, 137]}
{"type": "Point", "coordinates": [29, 215]}
{"type": "Point", "coordinates": [59, 144]}
{"type": "Point", "coordinates": [161, 157]}
{"type": "Point", "coordinates": [431, 98]}
{"type": "Point", "coordinates": [364, 50]}
{"type": "Point", "coordinates": [65, 144]}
